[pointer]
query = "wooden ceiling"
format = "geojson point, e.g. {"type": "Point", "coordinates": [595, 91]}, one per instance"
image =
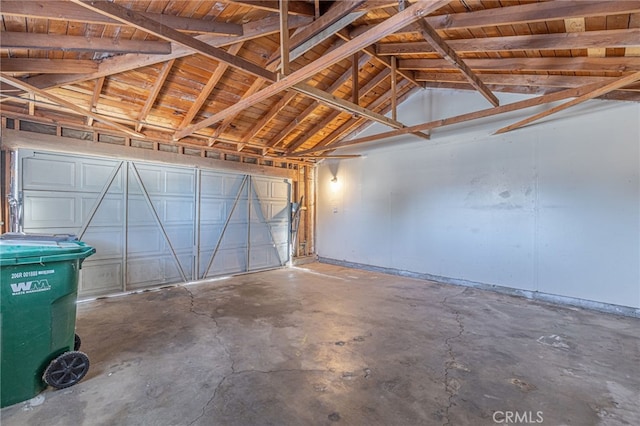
{"type": "Point", "coordinates": [222, 74]}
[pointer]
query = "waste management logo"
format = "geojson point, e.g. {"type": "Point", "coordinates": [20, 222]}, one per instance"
{"type": "Point", "coordinates": [28, 287]}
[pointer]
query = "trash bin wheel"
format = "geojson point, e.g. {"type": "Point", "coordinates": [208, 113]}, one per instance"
{"type": "Point", "coordinates": [76, 342]}
{"type": "Point", "coordinates": [66, 370]}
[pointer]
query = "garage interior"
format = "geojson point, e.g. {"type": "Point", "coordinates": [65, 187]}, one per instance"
{"type": "Point", "coordinates": [334, 212]}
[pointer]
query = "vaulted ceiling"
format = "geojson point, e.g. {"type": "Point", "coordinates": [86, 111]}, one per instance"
{"type": "Point", "coordinates": [237, 76]}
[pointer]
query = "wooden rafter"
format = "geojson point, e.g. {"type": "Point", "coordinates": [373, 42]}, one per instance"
{"type": "Point", "coordinates": [589, 39]}
{"type": "Point", "coordinates": [274, 111]}
{"type": "Point", "coordinates": [370, 50]}
{"type": "Point", "coordinates": [515, 106]}
{"type": "Point", "coordinates": [284, 37]}
{"type": "Point", "coordinates": [68, 43]}
{"type": "Point", "coordinates": [529, 64]}
{"type": "Point", "coordinates": [67, 11]}
{"type": "Point", "coordinates": [97, 89]}
{"type": "Point", "coordinates": [527, 80]}
{"type": "Point", "coordinates": [620, 82]}
{"type": "Point", "coordinates": [450, 55]}
{"type": "Point", "coordinates": [48, 66]}
{"type": "Point", "coordinates": [155, 91]}
{"type": "Point", "coordinates": [394, 84]}
{"type": "Point", "coordinates": [395, 22]}
{"type": "Point", "coordinates": [70, 105]}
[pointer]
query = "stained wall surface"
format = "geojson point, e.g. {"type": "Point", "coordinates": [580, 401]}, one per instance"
{"type": "Point", "coordinates": [553, 207]}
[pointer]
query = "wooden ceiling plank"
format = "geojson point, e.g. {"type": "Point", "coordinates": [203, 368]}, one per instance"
{"type": "Point", "coordinates": [274, 111]}
{"type": "Point", "coordinates": [128, 62]}
{"type": "Point", "coordinates": [204, 94]}
{"type": "Point", "coordinates": [67, 11]}
{"type": "Point", "coordinates": [322, 125]}
{"type": "Point", "coordinates": [556, 41]}
{"type": "Point", "coordinates": [619, 64]}
{"type": "Point", "coordinates": [97, 89]}
{"type": "Point", "coordinates": [408, 16]}
{"type": "Point", "coordinates": [137, 20]}
{"type": "Point", "coordinates": [438, 43]}
{"type": "Point", "coordinates": [155, 91]}
{"type": "Point", "coordinates": [20, 40]}
{"type": "Point", "coordinates": [620, 82]}
{"type": "Point", "coordinates": [515, 106]}
{"type": "Point", "coordinates": [48, 66]}
{"type": "Point", "coordinates": [70, 105]}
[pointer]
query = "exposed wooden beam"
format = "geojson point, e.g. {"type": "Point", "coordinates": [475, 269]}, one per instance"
{"type": "Point", "coordinates": [537, 80]}
{"type": "Point", "coordinates": [322, 125]}
{"type": "Point", "coordinates": [97, 89]}
{"type": "Point", "coordinates": [557, 41]}
{"type": "Point", "coordinates": [370, 50]}
{"type": "Point", "coordinates": [155, 91]}
{"type": "Point", "coordinates": [394, 83]}
{"type": "Point", "coordinates": [284, 37]}
{"type": "Point", "coordinates": [158, 29]}
{"type": "Point", "coordinates": [523, 14]}
{"type": "Point", "coordinates": [352, 122]}
{"type": "Point", "coordinates": [515, 106]}
{"type": "Point", "coordinates": [626, 94]}
{"type": "Point", "coordinates": [48, 66]}
{"type": "Point", "coordinates": [619, 64]}
{"type": "Point", "coordinates": [355, 81]}
{"type": "Point", "coordinates": [337, 17]}
{"type": "Point", "coordinates": [70, 105]}
{"type": "Point", "coordinates": [399, 20]}
{"type": "Point", "coordinates": [67, 11]}
{"type": "Point", "coordinates": [128, 62]}
{"type": "Point", "coordinates": [295, 8]}
{"type": "Point", "coordinates": [20, 40]}
{"type": "Point", "coordinates": [620, 82]}
{"type": "Point", "coordinates": [438, 43]}
{"type": "Point", "coordinates": [208, 88]}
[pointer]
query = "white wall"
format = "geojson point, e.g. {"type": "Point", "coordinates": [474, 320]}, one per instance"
{"type": "Point", "coordinates": [552, 208]}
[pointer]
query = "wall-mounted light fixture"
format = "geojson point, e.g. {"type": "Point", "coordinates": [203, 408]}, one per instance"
{"type": "Point", "coordinates": [335, 185]}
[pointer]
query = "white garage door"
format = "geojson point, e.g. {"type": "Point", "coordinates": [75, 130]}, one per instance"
{"type": "Point", "coordinates": [155, 224]}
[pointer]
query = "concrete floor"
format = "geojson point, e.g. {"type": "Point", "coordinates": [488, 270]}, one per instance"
{"type": "Point", "coordinates": [322, 344]}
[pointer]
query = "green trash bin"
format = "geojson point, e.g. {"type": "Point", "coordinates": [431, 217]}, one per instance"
{"type": "Point", "coordinates": [39, 286]}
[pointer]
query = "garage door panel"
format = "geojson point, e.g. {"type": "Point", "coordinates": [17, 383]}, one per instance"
{"type": "Point", "coordinates": [109, 212]}
{"type": "Point", "coordinates": [57, 209]}
{"type": "Point", "coordinates": [229, 261]}
{"type": "Point", "coordinates": [49, 173]}
{"type": "Point", "coordinates": [144, 240]}
{"type": "Point", "coordinates": [98, 278]}
{"type": "Point", "coordinates": [146, 272]}
{"type": "Point", "coordinates": [108, 240]}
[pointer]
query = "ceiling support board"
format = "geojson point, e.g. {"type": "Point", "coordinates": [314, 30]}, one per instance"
{"type": "Point", "coordinates": [69, 43]}
{"type": "Point", "coordinates": [620, 82]}
{"type": "Point", "coordinates": [48, 66]}
{"type": "Point", "coordinates": [70, 105]}
{"type": "Point", "coordinates": [155, 91]}
{"type": "Point", "coordinates": [97, 89]}
{"type": "Point", "coordinates": [438, 43]}
{"type": "Point", "coordinates": [394, 83]}
{"type": "Point", "coordinates": [560, 41]}
{"type": "Point", "coordinates": [284, 37]}
{"type": "Point", "coordinates": [399, 20]}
